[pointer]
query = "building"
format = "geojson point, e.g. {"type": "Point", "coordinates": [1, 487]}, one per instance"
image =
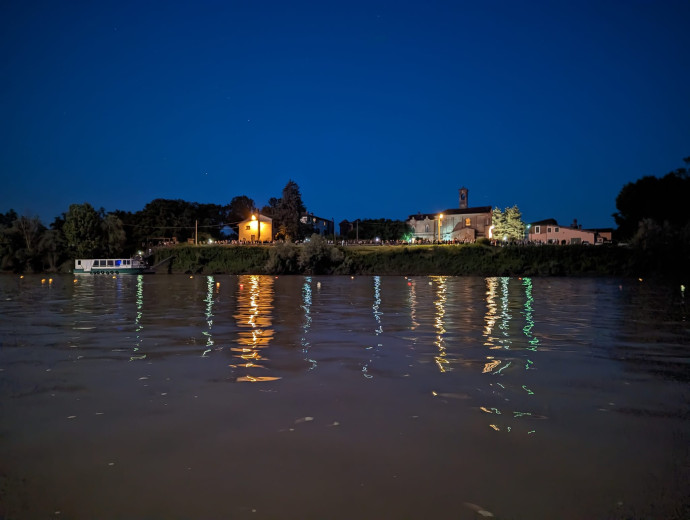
{"type": "Point", "coordinates": [253, 230]}
{"type": "Point", "coordinates": [550, 232]}
{"type": "Point", "coordinates": [462, 224]}
{"type": "Point", "coordinates": [321, 226]}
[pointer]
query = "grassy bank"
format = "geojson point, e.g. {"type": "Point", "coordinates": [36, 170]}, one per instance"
{"type": "Point", "coordinates": [473, 259]}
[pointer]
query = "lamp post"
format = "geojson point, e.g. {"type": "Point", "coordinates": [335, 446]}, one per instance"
{"type": "Point", "coordinates": [440, 217]}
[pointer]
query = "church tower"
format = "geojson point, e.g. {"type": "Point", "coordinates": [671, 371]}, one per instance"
{"type": "Point", "coordinates": [463, 198]}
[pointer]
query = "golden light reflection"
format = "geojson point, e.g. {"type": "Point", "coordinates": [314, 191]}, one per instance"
{"type": "Point", "coordinates": [491, 312]}
{"type": "Point", "coordinates": [254, 319]}
{"type": "Point", "coordinates": [439, 322]}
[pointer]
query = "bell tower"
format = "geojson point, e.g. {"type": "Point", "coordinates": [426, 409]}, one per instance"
{"type": "Point", "coordinates": [463, 198]}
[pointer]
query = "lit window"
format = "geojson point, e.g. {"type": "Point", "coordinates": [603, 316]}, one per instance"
{"type": "Point", "coordinates": [468, 222]}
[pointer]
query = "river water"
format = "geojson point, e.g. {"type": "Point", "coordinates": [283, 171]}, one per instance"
{"type": "Point", "coordinates": [262, 397]}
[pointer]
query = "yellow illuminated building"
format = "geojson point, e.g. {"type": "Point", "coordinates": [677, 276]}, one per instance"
{"type": "Point", "coordinates": [256, 229]}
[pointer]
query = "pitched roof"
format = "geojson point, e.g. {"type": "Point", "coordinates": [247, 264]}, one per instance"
{"type": "Point", "coordinates": [453, 211]}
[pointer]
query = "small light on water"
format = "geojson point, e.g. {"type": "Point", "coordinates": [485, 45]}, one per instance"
{"type": "Point", "coordinates": [191, 277]}
{"type": "Point", "coordinates": [640, 279]}
{"type": "Point", "coordinates": [50, 280]}
{"type": "Point", "coordinates": [43, 280]}
{"type": "Point", "coordinates": [21, 276]}
{"type": "Point", "coordinates": [74, 281]}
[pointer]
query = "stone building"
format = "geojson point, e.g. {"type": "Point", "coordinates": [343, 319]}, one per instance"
{"type": "Point", "coordinates": [462, 224]}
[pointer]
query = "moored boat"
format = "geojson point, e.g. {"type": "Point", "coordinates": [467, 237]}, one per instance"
{"type": "Point", "coordinates": [111, 266]}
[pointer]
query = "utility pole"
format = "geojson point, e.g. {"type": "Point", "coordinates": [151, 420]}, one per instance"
{"type": "Point", "coordinates": [357, 232]}
{"type": "Point", "coordinates": [196, 234]}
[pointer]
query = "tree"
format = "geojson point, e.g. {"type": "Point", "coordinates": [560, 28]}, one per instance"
{"type": "Point", "coordinates": [383, 228]}
{"type": "Point", "coordinates": [289, 210]}
{"type": "Point", "coordinates": [82, 230]}
{"type": "Point", "coordinates": [114, 236]}
{"type": "Point", "coordinates": [240, 208]}
{"type": "Point", "coordinates": [270, 209]}
{"type": "Point", "coordinates": [508, 224]}
{"type": "Point", "coordinates": [663, 200]}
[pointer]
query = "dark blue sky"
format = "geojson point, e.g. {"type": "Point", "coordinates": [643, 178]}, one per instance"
{"type": "Point", "coordinates": [374, 109]}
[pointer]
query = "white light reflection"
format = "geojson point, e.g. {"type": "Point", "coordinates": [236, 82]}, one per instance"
{"type": "Point", "coordinates": [412, 300]}
{"type": "Point", "coordinates": [306, 325]}
{"type": "Point", "coordinates": [439, 322]}
{"type": "Point", "coordinates": [210, 283]}
{"type": "Point", "coordinates": [377, 317]}
{"type": "Point", "coordinates": [138, 326]}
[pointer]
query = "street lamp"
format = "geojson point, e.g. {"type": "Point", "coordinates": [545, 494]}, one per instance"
{"type": "Point", "coordinates": [440, 217]}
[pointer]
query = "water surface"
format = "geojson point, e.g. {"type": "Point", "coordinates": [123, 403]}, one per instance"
{"type": "Point", "coordinates": [337, 397]}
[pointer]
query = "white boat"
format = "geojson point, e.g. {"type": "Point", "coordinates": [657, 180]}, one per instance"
{"type": "Point", "coordinates": [110, 266]}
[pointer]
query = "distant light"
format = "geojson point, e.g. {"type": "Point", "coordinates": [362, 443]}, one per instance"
{"type": "Point", "coordinates": [253, 217]}
{"type": "Point", "coordinates": [210, 241]}
{"type": "Point", "coordinates": [505, 237]}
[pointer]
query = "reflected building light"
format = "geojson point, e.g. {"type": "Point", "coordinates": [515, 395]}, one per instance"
{"type": "Point", "coordinates": [138, 327]}
{"type": "Point", "coordinates": [490, 365]}
{"type": "Point", "coordinates": [254, 319]}
{"type": "Point", "coordinates": [491, 312]}
{"type": "Point", "coordinates": [439, 322]}
{"type": "Point", "coordinates": [210, 283]}
{"type": "Point", "coordinates": [505, 314]}
{"type": "Point", "coordinates": [377, 303]}
{"type": "Point", "coordinates": [532, 340]}
{"type": "Point", "coordinates": [412, 300]}
{"type": "Point", "coordinates": [306, 324]}
{"type": "Point", "coordinates": [375, 308]}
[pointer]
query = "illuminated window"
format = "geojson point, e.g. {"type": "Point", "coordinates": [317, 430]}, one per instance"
{"type": "Point", "coordinates": [468, 222]}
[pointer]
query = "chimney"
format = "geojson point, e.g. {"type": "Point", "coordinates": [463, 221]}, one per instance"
{"type": "Point", "coordinates": [463, 198]}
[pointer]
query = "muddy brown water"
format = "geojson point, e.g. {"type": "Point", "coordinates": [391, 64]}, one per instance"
{"type": "Point", "coordinates": [262, 397]}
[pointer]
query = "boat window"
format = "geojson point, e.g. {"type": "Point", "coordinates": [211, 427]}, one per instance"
{"type": "Point", "coordinates": [96, 263]}
{"type": "Point", "coordinates": [126, 262]}
{"type": "Point", "coordinates": [118, 262]}
{"type": "Point", "coordinates": [110, 263]}
{"type": "Point", "coordinates": [78, 262]}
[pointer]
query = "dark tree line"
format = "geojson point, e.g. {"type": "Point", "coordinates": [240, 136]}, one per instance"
{"type": "Point", "coordinates": [653, 218]}
{"type": "Point", "coordinates": [84, 232]}
{"type": "Point", "coordinates": [654, 202]}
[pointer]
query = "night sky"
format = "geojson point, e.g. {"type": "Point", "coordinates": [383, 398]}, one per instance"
{"type": "Point", "coordinates": [376, 110]}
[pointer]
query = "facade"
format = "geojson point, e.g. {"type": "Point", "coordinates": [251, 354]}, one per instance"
{"type": "Point", "coordinates": [322, 226]}
{"type": "Point", "coordinates": [253, 230]}
{"type": "Point", "coordinates": [550, 232]}
{"type": "Point", "coordinates": [462, 224]}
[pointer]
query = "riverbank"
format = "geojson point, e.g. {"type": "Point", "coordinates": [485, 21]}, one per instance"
{"type": "Point", "coordinates": [455, 260]}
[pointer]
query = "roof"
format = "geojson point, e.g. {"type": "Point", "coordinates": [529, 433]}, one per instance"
{"type": "Point", "coordinates": [547, 222]}
{"type": "Point", "coordinates": [453, 211]}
